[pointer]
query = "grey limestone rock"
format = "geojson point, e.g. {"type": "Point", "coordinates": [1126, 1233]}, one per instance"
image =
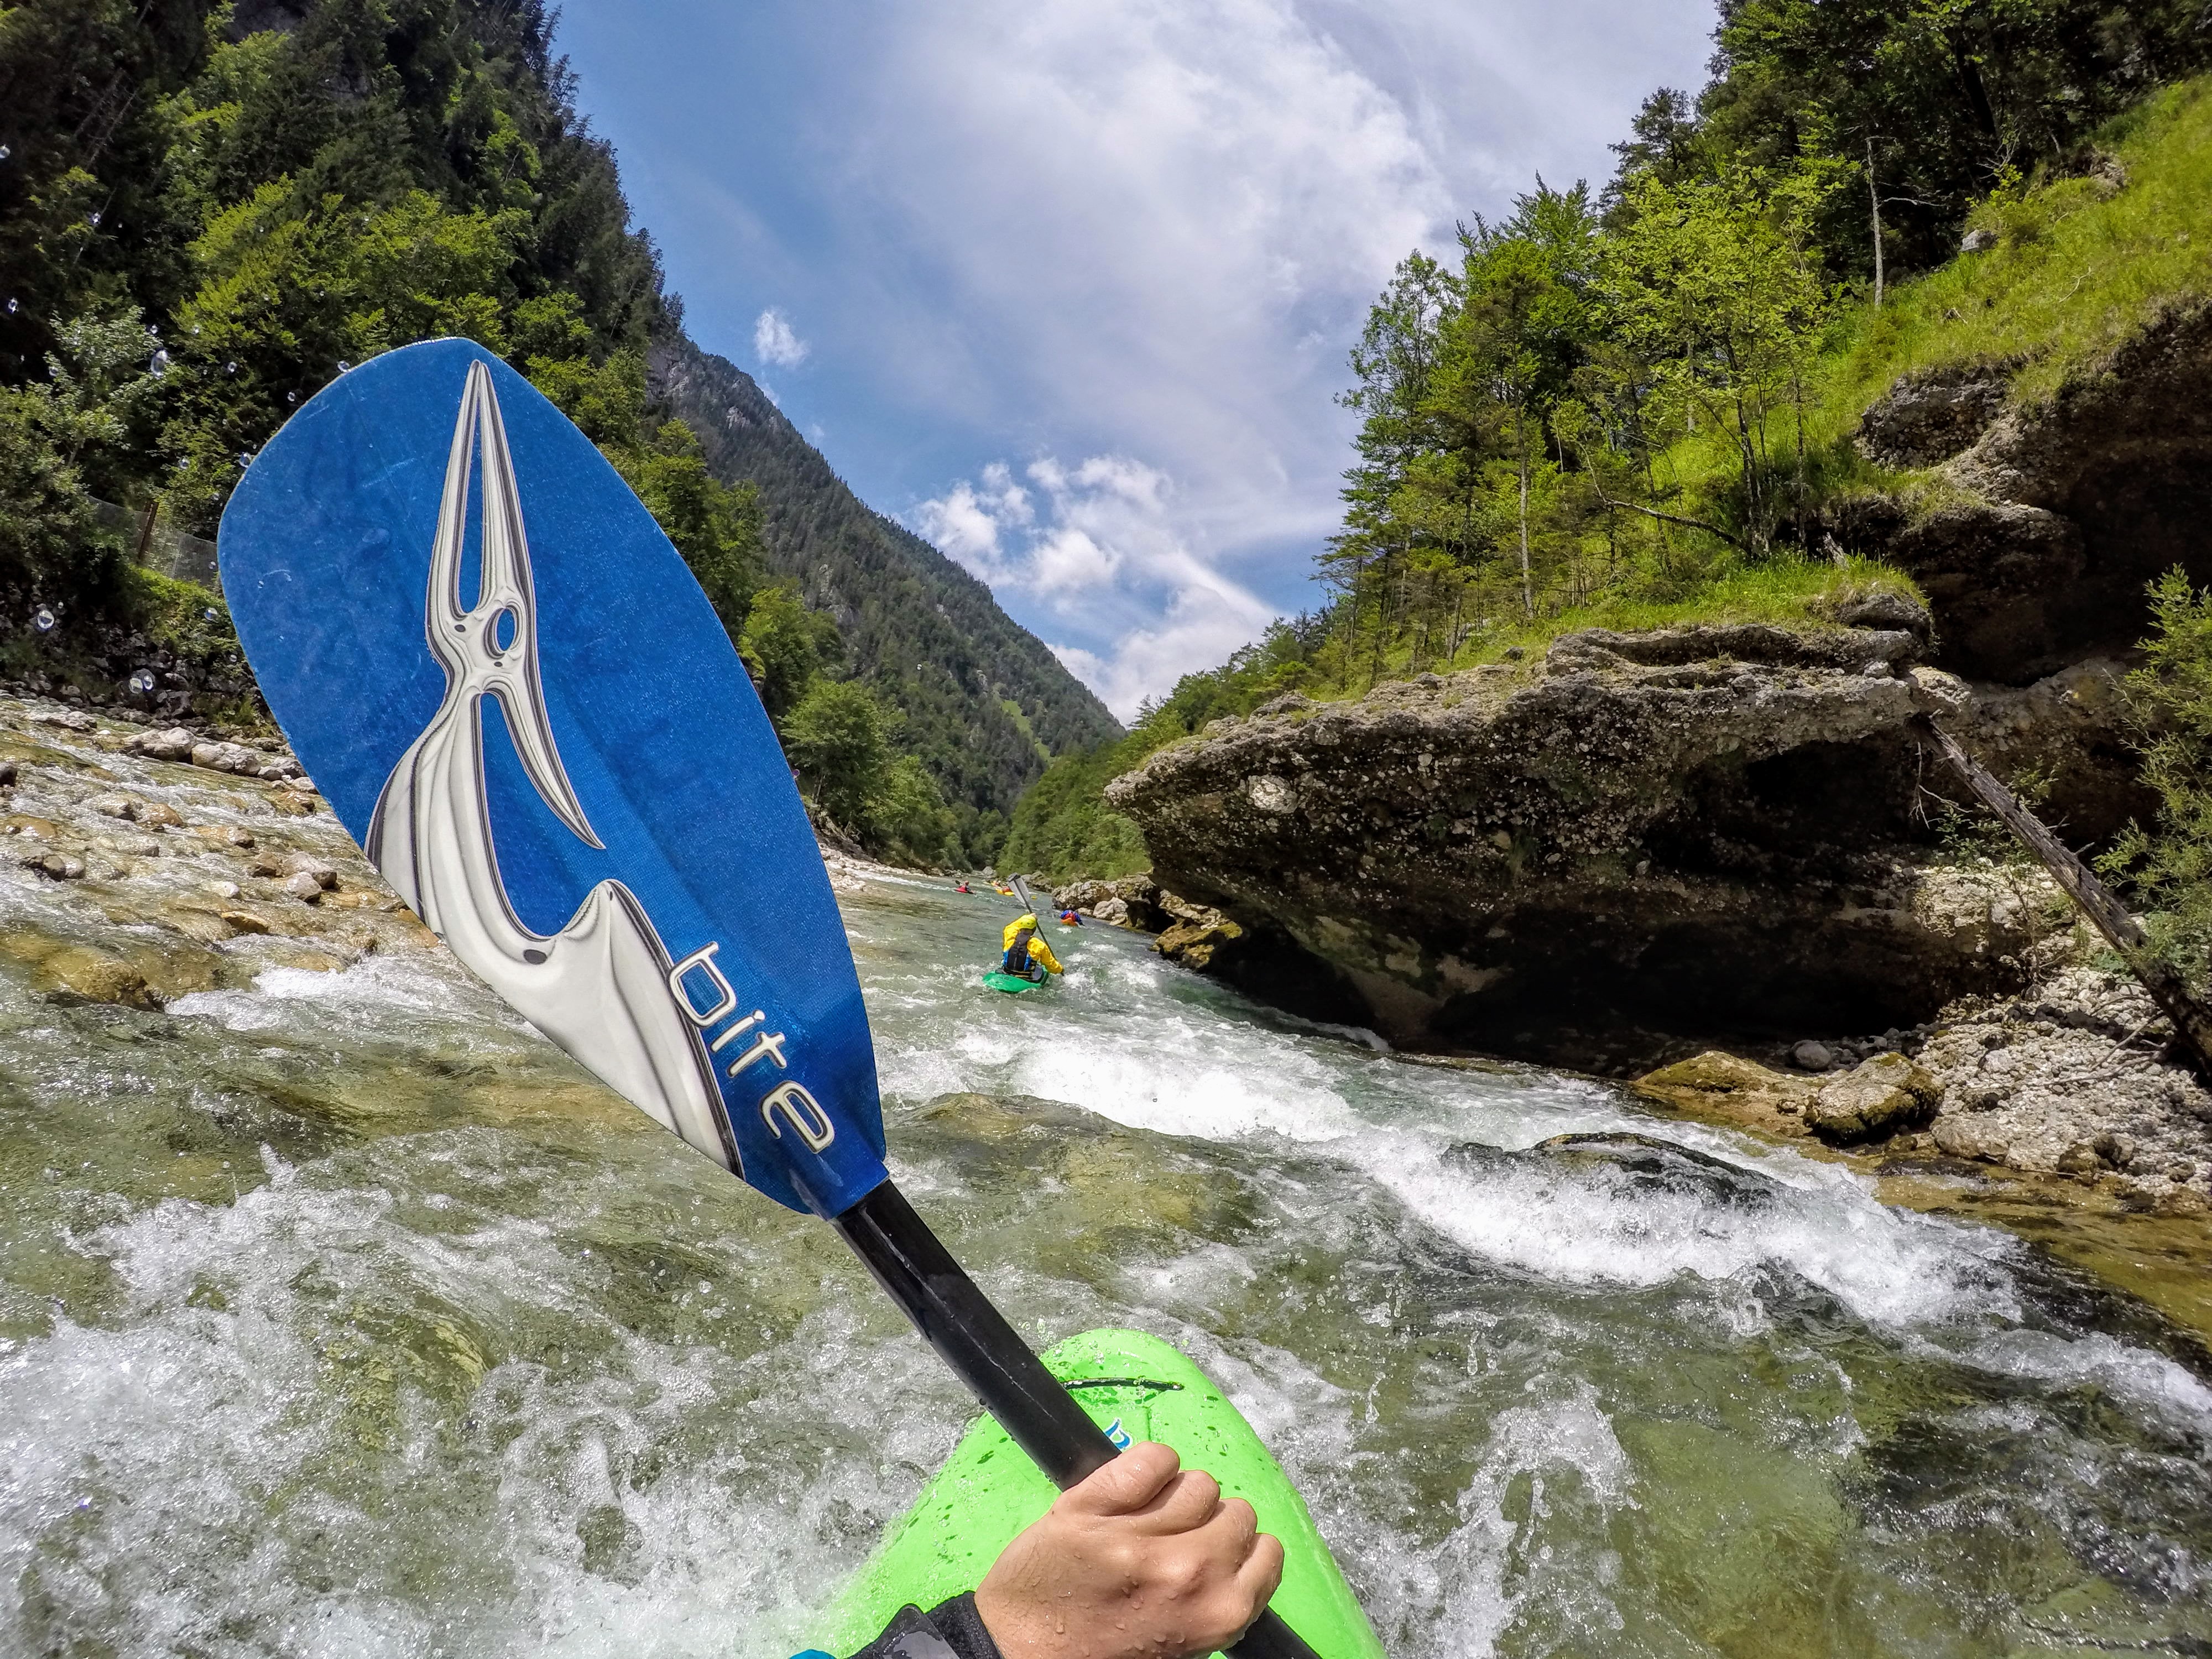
{"type": "Point", "coordinates": [1693, 839]}
{"type": "Point", "coordinates": [1926, 419]}
{"type": "Point", "coordinates": [1874, 1100]}
{"type": "Point", "coordinates": [176, 743]}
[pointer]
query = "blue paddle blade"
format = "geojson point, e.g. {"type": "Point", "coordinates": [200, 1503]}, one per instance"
{"type": "Point", "coordinates": [504, 678]}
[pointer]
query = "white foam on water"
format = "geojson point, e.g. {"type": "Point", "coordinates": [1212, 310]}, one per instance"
{"type": "Point", "coordinates": [379, 996]}
{"type": "Point", "coordinates": [182, 1474]}
{"type": "Point", "coordinates": [2149, 1382]}
{"type": "Point", "coordinates": [1489, 1567]}
{"type": "Point", "coordinates": [1186, 1069]}
{"type": "Point", "coordinates": [219, 1461]}
{"type": "Point", "coordinates": [1593, 1226]}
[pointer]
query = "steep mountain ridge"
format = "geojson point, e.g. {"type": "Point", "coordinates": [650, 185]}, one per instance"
{"type": "Point", "coordinates": [919, 629]}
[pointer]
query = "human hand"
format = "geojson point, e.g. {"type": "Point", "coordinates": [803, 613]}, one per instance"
{"type": "Point", "coordinates": [1144, 1560]}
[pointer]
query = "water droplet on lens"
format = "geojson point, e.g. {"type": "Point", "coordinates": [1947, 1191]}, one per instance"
{"type": "Point", "coordinates": [142, 681]}
{"type": "Point", "coordinates": [160, 365]}
{"type": "Point", "coordinates": [95, 221]}
{"type": "Point", "coordinates": [291, 397]}
{"type": "Point", "coordinates": [5, 152]}
{"type": "Point", "coordinates": [44, 621]}
{"type": "Point", "coordinates": [11, 306]}
{"type": "Point", "coordinates": [245, 461]}
{"type": "Point", "coordinates": [210, 613]}
{"type": "Point", "coordinates": [343, 365]}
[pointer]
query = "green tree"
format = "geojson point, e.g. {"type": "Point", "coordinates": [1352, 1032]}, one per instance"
{"type": "Point", "coordinates": [1942, 97]}
{"type": "Point", "coordinates": [2169, 861]}
{"type": "Point", "coordinates": [95, 404]}
{"type": "Point", "coordinates": [838, 742]}
{"type": "Point", "coordinates": [1394, 368]}
{"type": "Point", "coordinates": [1511, 348]}
{"type": "Point", "coordinates": [907, 818]}
{"type": "Point", "coordinates": [47, 526]}
{"type": "Point", "coordinates": [785, 647]}
{"type": "Point", "coordinates": [1717, 287]}
{"type": "Point", "coordinates": [717, 529]}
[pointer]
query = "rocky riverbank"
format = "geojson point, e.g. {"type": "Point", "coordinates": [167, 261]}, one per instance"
{"type": "Point", "coordinates": [2071, 1078]}
{"type": "Point", "coordinates": [140, 864]}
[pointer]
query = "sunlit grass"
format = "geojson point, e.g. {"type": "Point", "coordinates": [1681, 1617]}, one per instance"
{"type": "Point", "coordinates": [1784, 590]}
{"type": "Point", "coordinates": [2076, 270]}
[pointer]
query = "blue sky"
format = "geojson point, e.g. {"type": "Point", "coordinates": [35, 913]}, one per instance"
{"type": "Point", "coordinates": [1067, 285]}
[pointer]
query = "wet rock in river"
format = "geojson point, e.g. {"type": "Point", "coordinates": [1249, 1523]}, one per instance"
{"type": "Point", "coordinates": [305, 887]}
{"type": "Point", "coordinates": [174, 745]}
{"type": "Point", "coordinates": [1874, 1101]}
{"type": "Point", "coordinates": [228, 757]}
{"type": "Point", "coordinates": [1201, 945]}
{"type": "Point", "coordinates": [321, 871]}
{"type": "Point", "coordinates": [1731, 1089]}
{"type": "Point", "coordinates": [94, 975]}
{"type": "Point", "coordinates": [1737, 804]}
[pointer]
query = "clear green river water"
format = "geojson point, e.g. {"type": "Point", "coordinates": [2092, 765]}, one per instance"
{"type": "Point", "coordinates": [340, 1316]}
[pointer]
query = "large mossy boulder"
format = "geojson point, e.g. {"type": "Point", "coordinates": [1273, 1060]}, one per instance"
{"type": "Point", "coordinates": [1873, 1101]}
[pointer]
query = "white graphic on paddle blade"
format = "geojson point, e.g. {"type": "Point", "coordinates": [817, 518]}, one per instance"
{"type": "Point", "coordinates": [599, 987]}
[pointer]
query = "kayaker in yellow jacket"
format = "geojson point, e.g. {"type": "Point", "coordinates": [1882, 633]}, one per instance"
{"type": "Point", "coordinates": [1026, 955]}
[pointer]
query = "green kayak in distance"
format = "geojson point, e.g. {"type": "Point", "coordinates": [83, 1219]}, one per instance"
{"type": "Point", "coordinates": [1136, 1388]}
{"type": "Point", "coordinates": [1012, 984]}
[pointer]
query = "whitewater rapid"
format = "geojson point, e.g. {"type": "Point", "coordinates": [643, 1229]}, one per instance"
{"type": "Point", "coordinates": [341, 1315]}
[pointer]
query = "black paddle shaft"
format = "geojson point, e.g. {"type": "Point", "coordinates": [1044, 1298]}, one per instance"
{"type": "Point", "coordinates": [985, 1352]}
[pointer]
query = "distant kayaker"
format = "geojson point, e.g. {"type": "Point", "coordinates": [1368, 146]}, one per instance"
{"type": "Point", "coordinates": [1069, 919]}
{"type": "Point", "coordinates": [1143, 1560]}
{"type": "Point", "coordinates": [963, 887]}
{"type": "Point", "coordinates": [1026, 955]}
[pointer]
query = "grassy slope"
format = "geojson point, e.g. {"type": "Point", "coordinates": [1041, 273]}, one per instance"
{"type": "Point", "coordinates": [2077, 270]}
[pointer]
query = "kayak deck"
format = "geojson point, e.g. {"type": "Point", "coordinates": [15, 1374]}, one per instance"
{"type": "Point", "coordinates": [1138, 1388]}
{"type": "Point", "coordinates": [1012, 984]}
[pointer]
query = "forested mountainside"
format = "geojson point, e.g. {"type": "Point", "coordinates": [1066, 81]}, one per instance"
{"type": "Point", "coordinates": [985, 703]}
{"type": "Point", "coordinates": [1650, 403]}
{"type": "Point", "coordinates": [208, 212]}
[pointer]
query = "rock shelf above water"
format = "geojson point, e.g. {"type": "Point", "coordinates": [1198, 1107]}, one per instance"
{"type": "Point", "coordinates": [1702, 830]}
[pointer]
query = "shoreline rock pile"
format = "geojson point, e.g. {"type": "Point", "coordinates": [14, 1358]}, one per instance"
{"type": "Point", "coordinates": [2072, 1077]}
{"type": "Point", "coordinates": [172, 863]}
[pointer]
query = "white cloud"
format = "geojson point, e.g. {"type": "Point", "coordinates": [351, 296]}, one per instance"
{"type": "Point", "coordinates": [773, 342]}
{"type": "Point", "coordinates": [1098, 546]}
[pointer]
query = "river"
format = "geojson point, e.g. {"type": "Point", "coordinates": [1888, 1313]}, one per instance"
{"type": "Point", "coordinates": [340, 1316]}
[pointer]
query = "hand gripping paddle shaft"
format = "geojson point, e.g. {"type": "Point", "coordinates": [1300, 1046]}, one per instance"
{"type": "Point", "coordinates": [539, 734]}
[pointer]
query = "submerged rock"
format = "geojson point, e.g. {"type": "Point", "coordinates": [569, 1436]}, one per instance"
{"type": "Point", "coordinates": [96, 977]}
{"type": "Point", "coordinates": [1203, 944]}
